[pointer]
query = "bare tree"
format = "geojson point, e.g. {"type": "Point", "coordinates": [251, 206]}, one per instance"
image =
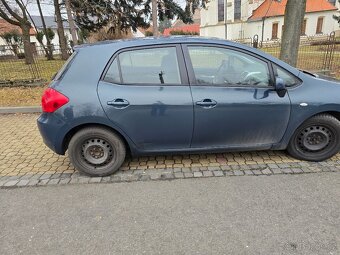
{"type": "Point", "coordinates": [71, 22]}
{"type": "Point", "coordinates": [294, 15]}
{"type": "Point", "coordinates": [60, 30]}
{"type": "Point", "coordinates": [15, 14]}
{"type": "Point", "coordinates": [154, 17]}
{"type": "Point", "coordinates": [48, 51]}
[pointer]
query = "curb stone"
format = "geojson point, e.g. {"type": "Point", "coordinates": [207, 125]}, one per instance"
{"type": "Point", "coordinates": [23, 109]}
{"type": "Point", "coordinates": [161, 174]}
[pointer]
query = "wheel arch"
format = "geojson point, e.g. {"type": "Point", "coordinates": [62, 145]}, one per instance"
{"type": "Point", "coordinates": [335, 114]}
{"type": "Point", "coordinates": [291, 130]}
{"type": "Point", "coordinates": [77, 128]}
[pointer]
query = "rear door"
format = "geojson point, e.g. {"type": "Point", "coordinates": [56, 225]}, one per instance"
{"type": "Point", "coordinates": [235, 104]}
{"type": "Point", "coordinates": [145, 93]}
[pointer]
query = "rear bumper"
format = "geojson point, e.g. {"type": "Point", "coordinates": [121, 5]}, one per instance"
{"type": "Point", "coordinates": [51, 127]}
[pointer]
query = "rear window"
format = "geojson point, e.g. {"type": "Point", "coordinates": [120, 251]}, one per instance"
{"type": "Point", "coordinates": [64, 68]}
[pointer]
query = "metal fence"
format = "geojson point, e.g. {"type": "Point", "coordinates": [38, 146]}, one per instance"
{"type": "Point", "coordinates": [316, 54]}
{"type": "Point", "coordinates": [15, 72]}
{"type": "Point", "coordinates": [319, 53]}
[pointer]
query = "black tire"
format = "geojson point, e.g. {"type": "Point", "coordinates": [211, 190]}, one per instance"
{"type": "Point", "coordinates": [96, 151]}
{"type": "Point", "coordinates": [317, 139]}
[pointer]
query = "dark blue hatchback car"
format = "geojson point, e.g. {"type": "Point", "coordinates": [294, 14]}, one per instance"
{"type": "Point", "coordinates": [184, 94]}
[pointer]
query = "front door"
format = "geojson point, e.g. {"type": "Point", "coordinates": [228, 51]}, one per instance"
{"type": "Point", "coordinates": [235, 104]}
{"type": "Point", "coordinates": [145, 93]}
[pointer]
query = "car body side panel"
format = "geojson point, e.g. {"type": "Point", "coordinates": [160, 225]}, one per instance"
{"type": "Point", "coordinates": [157, 118]}
{"type": "Point", "coordinates": [243, 117]}
{"type": "Point", "coordinates": [315, 93]}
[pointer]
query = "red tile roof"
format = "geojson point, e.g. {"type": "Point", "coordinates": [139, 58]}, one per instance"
{"type": "Point", "coordinates": [7, 27]}
{"type": "Point", "coordinates": [193, 28]}
{"type": "Point", "coordinates": [271, 8]}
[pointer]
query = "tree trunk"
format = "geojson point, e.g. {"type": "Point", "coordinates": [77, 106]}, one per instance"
{"type": "Point", "coordinates": [294, 15]}
{"type": "Point", "coordinates": [49, 52]}
{"type": "Point", "coordinates": [25, 27]}
{"type": "Point", "coordinates": [71, 22]}
{"type": "Point", "coordinates": [154, 18]}
{"type": "Point", "coordinates": [61, 34]}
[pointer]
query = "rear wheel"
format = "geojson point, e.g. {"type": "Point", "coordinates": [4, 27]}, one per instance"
{"type": "Point", "coordinates": [96, 151]}
{"type": "Point", "coordinates": [316, 139]}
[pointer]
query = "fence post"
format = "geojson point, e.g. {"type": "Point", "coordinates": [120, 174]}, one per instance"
{"type": "Point", "coordinates": [256, 41]}
{"type": "Point", "coordinates": [329, 54]}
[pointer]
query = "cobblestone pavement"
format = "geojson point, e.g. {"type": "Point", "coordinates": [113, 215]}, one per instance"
{"type": "Point", "coordinates": [26, 161]}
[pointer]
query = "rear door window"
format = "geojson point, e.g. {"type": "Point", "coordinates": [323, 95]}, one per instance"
{"type": "Point", "coordinates": [145, 66]}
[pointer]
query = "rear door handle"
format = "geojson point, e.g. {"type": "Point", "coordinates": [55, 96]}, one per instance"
{"type": "Point", "coordinates": [119, 103]}
{"type": "Point", "coordinates": [207, 103]}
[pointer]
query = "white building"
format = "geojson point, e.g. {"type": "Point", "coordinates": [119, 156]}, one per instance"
{"type": "Point", "coordinates": [238, 19]}
{"type": "Point", "coordinates": [50, 22]}
{"type": "Point", "coordinates": [36, 47]}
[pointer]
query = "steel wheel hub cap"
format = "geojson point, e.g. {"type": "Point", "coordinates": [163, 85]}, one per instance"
{"type": "Point", "coordinates": [97, 151]}
{"type": "Point", "coordinates": [315, 138]}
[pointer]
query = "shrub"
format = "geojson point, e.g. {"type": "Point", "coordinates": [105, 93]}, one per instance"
{"type": "Point", "coordinates": [148, 33]}
{"type": "Point", "coordinates": [180, 32]}
{"type": "Point", "coordinates": [21, 55]}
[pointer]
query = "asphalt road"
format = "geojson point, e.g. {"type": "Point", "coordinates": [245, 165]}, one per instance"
{"type": "Point", "coordinates": [280, 214]}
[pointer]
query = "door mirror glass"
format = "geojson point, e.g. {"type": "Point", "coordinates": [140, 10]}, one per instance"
{"type": "Point", "coordinates": [280, 87]}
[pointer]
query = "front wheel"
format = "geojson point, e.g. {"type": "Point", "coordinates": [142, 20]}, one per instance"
{"type": "Point", "coordinates": [96, 151]}
{"type": "Point", "coordinates": [316, 139]}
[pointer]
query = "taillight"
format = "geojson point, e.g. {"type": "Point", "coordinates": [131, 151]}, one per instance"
{"type": "Point", "coordinates": [52, 100]}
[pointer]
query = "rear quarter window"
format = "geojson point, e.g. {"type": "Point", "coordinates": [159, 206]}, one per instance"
{"type": "Point", "coordinates": [65, 67]}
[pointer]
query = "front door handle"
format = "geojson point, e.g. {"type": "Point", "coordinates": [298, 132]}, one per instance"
{"type": "Point", "coordinates": [119, 103]}
{"type": "Point", "coordinates": [207, 103]}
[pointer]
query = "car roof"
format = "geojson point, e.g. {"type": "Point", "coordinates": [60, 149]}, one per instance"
{"type": "Point", "coordinates": [141, 41]}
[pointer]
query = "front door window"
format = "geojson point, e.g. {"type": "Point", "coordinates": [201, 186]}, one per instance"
{"type": "Point", "coordinates": [225, 67]}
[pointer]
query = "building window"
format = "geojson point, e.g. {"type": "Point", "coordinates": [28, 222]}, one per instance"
{"type": "Point", "coordinates": [220, 10]}
{"type": "Point", "coordinates": [275, 29]}
{"type": "Point", "coordinates": [332, 2]}
{"type": "Point", "coordinates": [303, 27]}
{"type": "Point", "coordinates": [237, 10]}
{"type": "Point", "coordinates": [319, 25]}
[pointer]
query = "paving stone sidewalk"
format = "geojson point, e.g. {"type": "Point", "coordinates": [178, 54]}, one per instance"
{"type": "Point", "coordinates": [26, 161]}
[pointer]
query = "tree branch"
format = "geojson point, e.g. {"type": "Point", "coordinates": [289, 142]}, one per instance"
{"type": "Point", "coordinates": [8, 19]}
{"type": "Point", "coordinates": [15, 15]}
{"type": "Point", "coordinates": [22, 7]}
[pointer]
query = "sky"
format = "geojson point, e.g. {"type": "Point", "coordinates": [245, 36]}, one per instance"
{"type": "Point", "coordinates": [47, 8]}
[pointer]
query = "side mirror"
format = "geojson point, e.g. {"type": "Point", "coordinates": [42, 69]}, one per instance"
{"type": "Point", "coordinates": [280, 87]}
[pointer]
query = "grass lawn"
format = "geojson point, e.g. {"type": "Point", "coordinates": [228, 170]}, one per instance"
{"type": "Point", "coordinates": [21, 96]}
{"type": "Point", "coordinates": [18, 70]}
{"type": "Point", "coordinates": [309, 59]}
